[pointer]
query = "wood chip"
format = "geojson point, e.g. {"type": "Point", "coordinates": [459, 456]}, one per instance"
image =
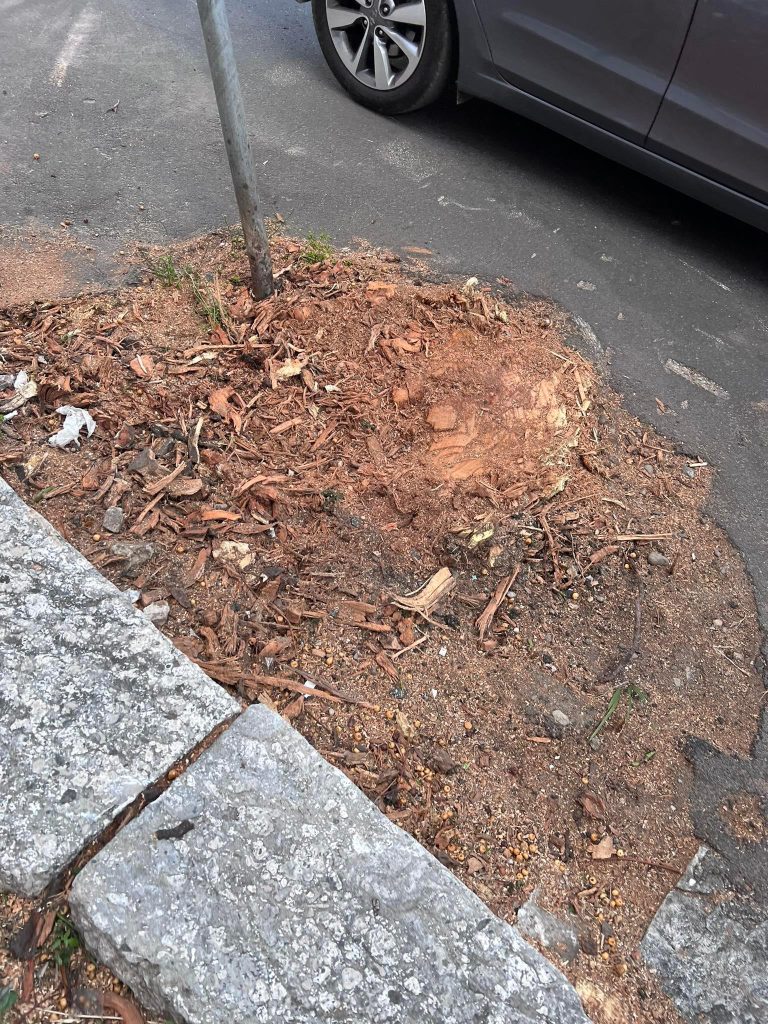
{"type": "Point", "coordinates": [410, 647]}
{"type": "Point", "coordinates": [225, 402]}
{"type": "Point", "coordinates": [143, 366]}
{"type": "Point", "coordinates": [603, 850]}
{"type": "Point", "coordinates": [380, 289]}
{"type": "Point", "coordinates": [282, 427]}
{"type": "Point", "coordinates": [281, 683]}
{"type": "Point", "coordinates": [165, 481]}
{"type": "Point", "coordinates": [145, 512]}
{"type": "Point", "coordinates": [185, 487]}
{"type": "Point", "coordinates": [485, 618]}
{"type": "Point", "coordinates": [592, 804]}
{"type": "Point", "coordinates": [198, 568]}
{"type": "Point", "coordinates": [602, 553]}
{"type": "Point", "coordinates": [213, 514]}
{"type": "Point", "coordinates": [430, 595]}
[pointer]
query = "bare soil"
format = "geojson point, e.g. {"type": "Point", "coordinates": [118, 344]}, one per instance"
{"type": "Point", "coordinates": [294, 473]}
{"type": "Point", "coordinates": [57, 982]}
{"type": "Point", "coordinates": [42, 265]}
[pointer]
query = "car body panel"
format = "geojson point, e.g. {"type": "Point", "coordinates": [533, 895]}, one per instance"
{"type": "Point", "coordinates": [710, 177]}
{"type": "Point", "coordinates": [714, 118]}
{"type": "Point", "coordinates": [608, 62]}
{"type": "Point", "coordinates": [478, 76]}
{"type": "Point", "coordinates": [491, 87]}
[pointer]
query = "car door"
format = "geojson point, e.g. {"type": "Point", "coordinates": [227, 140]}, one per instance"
{"type": "Point", "coordinates": [714, 118]}
{"type": "Point", "coordinates": [607, 61]}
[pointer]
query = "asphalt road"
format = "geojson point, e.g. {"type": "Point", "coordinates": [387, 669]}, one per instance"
{"type": "Point", "coordinates": [662, 285]}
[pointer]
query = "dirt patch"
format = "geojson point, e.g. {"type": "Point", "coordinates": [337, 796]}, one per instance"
{"type": "Point", "coordinates": [419, 527]}
{"type": "Point", "coordinates": [41, 266]}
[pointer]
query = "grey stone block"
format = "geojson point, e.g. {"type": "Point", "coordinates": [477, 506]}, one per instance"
{"type": "Point", "coordinates": [263, 886]}
{"type": "Point", "coordinates": [709, 947]}
{"type": "Point", "coordinates": [95, 704]}
{"type": "Point", "coordinates": [555, 934]}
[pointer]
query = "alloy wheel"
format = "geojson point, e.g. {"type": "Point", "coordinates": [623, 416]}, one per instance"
{"type": "Point", "coordinates": [380, 42]}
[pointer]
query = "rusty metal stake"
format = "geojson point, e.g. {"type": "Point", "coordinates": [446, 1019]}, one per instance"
{"type": "Point", "coordinates": [229, 99]}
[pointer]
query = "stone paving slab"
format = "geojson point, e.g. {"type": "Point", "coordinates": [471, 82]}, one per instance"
{"type": "Point", "coordinates": [709, 947]}
{"type": "Point", "coordinates": [95, 703]}
{"type": "Point", "coordinates": [263, 886]}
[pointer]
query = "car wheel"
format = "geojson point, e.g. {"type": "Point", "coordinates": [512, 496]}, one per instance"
{"type": "Point", "coordinates": [390, 55]}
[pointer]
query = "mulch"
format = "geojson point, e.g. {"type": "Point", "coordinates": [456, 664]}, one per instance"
{"type": "Point", "coordinates": [414, 523]}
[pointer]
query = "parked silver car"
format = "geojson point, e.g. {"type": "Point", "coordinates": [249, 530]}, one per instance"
{"type": "Point", "coordinates": [677, 89]}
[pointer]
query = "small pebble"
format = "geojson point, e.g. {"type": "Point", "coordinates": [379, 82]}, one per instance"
{"type": "Point", "coordinates": [717, 623]}
{"type": "Point", "coordinates": [560, 717]}
{"type": "Point", "coordinates": [657, 558]}
{"type": "Point", "coordinates": [114, 519]}
{"type": "Point", "coordinates": [158, 612]}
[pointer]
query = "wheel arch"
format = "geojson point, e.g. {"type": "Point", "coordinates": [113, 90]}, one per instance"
{"type": "Point", "coordinates": [473, 53]}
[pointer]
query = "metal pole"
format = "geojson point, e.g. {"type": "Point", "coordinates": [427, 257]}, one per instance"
{"type": "Point", "coordinates": [229, 99]}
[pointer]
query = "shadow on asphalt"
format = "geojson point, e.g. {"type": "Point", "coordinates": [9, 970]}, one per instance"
{"type": "Point", "coordinates": [583, 179]}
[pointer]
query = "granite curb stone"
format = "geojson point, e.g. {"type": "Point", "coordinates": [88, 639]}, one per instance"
{"type": "Point", "coordinates": [709, 947]}
{"type": "Point", "coordinates": [264, 886]}
{"type": "Point", "coordinates": [95, 703]}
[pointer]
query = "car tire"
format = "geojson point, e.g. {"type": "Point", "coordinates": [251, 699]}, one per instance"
{"type": "Point", "coordinates": [425, 83]}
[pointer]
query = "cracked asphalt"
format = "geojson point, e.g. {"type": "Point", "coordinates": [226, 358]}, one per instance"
{"type": "Point", "coordinates": [671, 295]}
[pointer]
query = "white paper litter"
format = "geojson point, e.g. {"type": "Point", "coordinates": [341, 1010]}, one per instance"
{"type": "Point", "coordinates": [24, 389]}
{"type": "Point", "coordinates": [74, 421]}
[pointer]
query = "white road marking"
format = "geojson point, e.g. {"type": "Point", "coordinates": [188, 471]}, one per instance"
{"type": "Point", "coordinates": [694, 377]}
{"type": "Point", "coordinates": [444, 201]}
{"type": "Point", "coordinates": [704, 274]}
{"type": "Point", "coordinates": [706, 334]}
{"type": "Point", "coordinates": [76, 36]}
{"type": "Point", "coordinates": [407, 159]}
